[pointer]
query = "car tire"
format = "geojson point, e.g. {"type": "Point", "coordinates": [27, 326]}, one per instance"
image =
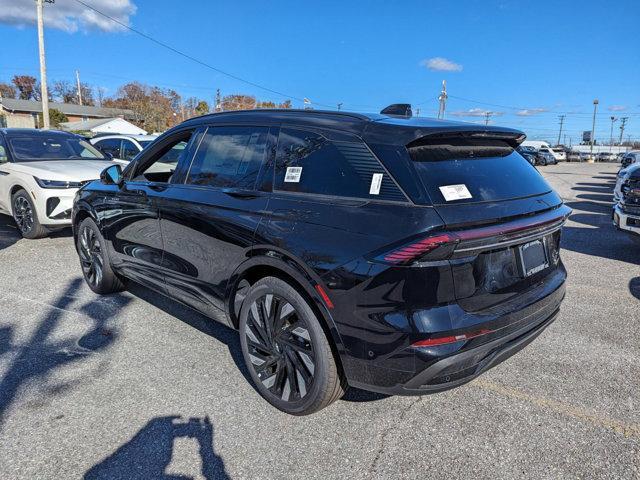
{"type": "Point", "coordinates": [286, 350]}
{"type": "Point", "coordinates": [26, 217]}
{"type": "Point", "coordinates": [94, 260]}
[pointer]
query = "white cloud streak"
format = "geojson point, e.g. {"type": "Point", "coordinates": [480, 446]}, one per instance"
{"type": "Point", "coordinates": [617, 108]}
{"type": "Point", "coordinates": [69, 15]}
{"type": "Point", "coordinates": [439, 64]}
{"type": "Point", "coordinates": [475, 112]}
{"type": "Point", "coordinates": [528, 112]}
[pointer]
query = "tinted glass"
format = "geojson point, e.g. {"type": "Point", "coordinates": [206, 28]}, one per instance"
{"type": "Point", "coordinates": [3, 152]}
{"type": "Point", "coordinates": [129, 150]}
{"type": "Point", "coordinates": [163, 164]}
{"type": "Point", "coordinates": [52, 146]}
{"type": "Point", "coordinates": [110, 145]}
{"type": "Point", "coordinates": [229, 157]}
{"type": "Point", "coordinates": [144, 143]}
{"type": "Point", "coordinates": [490, 171]}
{"type": "Point", "coordinates": [307, 162]}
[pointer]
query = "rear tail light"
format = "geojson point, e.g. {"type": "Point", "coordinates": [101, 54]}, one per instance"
{"type": "Point", "coordinates": [434, 342]}
{"type": "Point", "coordinates": [435, 246]}
{"type": "Point", "coordinates": [440, 246]}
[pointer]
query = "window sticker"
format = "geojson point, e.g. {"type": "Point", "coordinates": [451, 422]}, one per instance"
{"type": "Point", "coordinates": [293, 174]}
{"type": "Point", "coordinates": [376, 183]}
{"type": "Point", "coordinates": [455, 192]}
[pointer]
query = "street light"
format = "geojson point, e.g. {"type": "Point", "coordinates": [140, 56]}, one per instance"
{"type": "Point", "coordinates": [593, 129]}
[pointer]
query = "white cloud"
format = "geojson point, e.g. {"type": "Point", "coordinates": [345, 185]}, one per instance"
{"type": "Point", "coordinates": [475, 112]}
{"type": "Point", "coordinates": [527, 112]}
{"type": "Point", "coordinates": [69, 15]}
{"type": "Point", "coordinates": [617, 108]}
{"type": "Point", "coordinates": [440, 64]}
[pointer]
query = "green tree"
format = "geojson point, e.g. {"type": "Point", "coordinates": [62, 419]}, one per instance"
{"type": "Point", "coordinates": [56, 117]}
{"type": "Point", "coordinates": [202, 108]}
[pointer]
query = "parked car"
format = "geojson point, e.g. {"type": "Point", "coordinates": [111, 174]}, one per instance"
{"type": "Point", "coordinates": [626, 211]}
{"type": "Point", "coordinates": [559, 153]}
{"type": "Point", "coordinates": [546, 156]}
{"type": "Point", "coordinates": [606, 157]}
{"type": "Point", "coordinates": [573, 156]}
{"type": "Point", "coordinates": [307, 231]}
{"type": "Point", "coordinates": [529, 154]}
{"type": "Point", "coordinates": [122, 148]}
{"type": "Point", "coordinates": [40, 172]}
{"type": "Point", "coordinates": [630, 158]}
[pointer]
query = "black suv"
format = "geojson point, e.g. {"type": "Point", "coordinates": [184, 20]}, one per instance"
{"type": "Point", "coordinates": [395, 254]}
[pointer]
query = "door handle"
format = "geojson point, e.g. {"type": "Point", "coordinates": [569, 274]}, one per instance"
{"type": "Point", "coordinates": [2, 172]}
{"type": "Point", "coordinates": [240, 193]}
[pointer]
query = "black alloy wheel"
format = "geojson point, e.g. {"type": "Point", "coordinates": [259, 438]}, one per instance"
{"type": "Point", "coordinates": [94, 260]}
{"type": "Point", "coordinates": [286, 350]}
{"type": "Point", "coordinates": [280, 348]}
{"type": "Point", "coordinates": [90, 252]}
{"type": "Point", "coordinates": [25, 216]}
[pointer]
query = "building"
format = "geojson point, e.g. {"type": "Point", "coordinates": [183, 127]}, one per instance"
{"type": "Point", "coordinates": [103, 125]}
{"type": "Point", "coordinates": [24, 113]}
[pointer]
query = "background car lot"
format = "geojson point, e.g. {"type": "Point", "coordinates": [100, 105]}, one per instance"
{"type": "Point", "coordinates": [91, 385]}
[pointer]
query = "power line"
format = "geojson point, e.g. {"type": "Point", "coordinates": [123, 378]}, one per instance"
{"type": "Point", "coordinates": [194, 59]}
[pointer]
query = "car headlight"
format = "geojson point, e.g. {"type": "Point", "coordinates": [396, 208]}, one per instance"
{"type": "Point", "coordinates": [57, 183]}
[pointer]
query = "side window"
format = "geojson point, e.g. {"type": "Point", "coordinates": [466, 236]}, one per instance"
{"type": "Point", "coordinates": [229, 157]}
{"type": "Point", "coordinates": [162, 164]}
{"type": "Point", "coordinates": [129, 150]}
{"type": "Point", "coordinates": [3, 152]}
{"type": "Point", "coordinates": [307, 162]}
{"type": "Point", "coordinates": [109, 145]}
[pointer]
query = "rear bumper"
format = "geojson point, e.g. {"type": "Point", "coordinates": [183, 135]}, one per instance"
{"type": "Point", "coordinates": [407, 370]}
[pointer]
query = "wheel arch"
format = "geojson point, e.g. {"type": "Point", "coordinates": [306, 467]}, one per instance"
{"type": "Point", "coordinates": [266, 264]}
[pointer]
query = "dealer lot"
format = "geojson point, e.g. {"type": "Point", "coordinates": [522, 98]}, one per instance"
{"type": "Point", "coordinates": [136, 386]}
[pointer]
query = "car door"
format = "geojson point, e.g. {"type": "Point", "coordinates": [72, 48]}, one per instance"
{"type": "Point", "coordinates": [129, 150]}
{"type": "Point", "coordinates": [130, 216]}
{"type": "Point", "coordinates": [110, 146]}
{"type": "Point", "coordinates": [208, 220]}
{"type": "Point", "coordinates": [5, 201]}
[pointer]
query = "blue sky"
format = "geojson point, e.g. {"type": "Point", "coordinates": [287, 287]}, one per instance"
{"type": "Point", "coordinates": [539, 59]}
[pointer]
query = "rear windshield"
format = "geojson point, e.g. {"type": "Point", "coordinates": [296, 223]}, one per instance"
{"type": "Point", "coordinates": [471, 171]}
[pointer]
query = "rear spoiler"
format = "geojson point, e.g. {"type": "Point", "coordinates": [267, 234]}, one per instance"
{"type": "Point", "coordinates": [512, 138]}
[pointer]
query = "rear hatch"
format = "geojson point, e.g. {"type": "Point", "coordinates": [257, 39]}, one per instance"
{"type": "Point", "coordinates": [499, 212]}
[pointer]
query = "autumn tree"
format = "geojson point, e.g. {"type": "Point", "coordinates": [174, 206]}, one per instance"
{"type": "Point", "coordinates": [26, 86]}
{"type": "Point", "coordinates": [238, 102]}
{"type": "Point", "coordinates": [7, 90]}
{"type": "Point", "coordinates": [267, 104]}
{"type": "Point", "coordinates": [285, 104]}
{"type": "Point", "coordinates": [64, 91]}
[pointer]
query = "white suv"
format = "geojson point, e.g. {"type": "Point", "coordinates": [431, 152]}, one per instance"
{"type": "Point", "coordinates": [40, 173]}
{"type": "Point", "coordinates": [122, 148]}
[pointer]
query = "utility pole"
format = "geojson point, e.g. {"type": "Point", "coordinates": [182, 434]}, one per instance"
{"type": "Point", "coordinates": [340, 106]}
{"type": "Point", "coordinates": [79, 88]}
{"type": "Point", "coordinates": [44, 91]}
{"type": "Point", "coordinates": [487, 116]}
{"type": "Point", "coordinates": [418, 112]}
{"type": "Point", "coordinates": [623, 121]}
{"type": "Point", "coordinates": [613, 120]}
{"type": "Point", "coordinates": [561, 117]}
{"type": "Point", "coordinates": [218, 101]}
{"type": "Point", "coordinates": [443, 100]}
{"type": "Point", "coordinates": [593, 129]}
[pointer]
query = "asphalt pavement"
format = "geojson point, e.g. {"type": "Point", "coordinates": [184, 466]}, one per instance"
{"type": "Point", "coordinates": [135, 386]}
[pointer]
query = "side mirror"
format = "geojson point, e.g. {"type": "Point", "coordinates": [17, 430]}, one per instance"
{"type": "Point", "coordinates": [112, 175]}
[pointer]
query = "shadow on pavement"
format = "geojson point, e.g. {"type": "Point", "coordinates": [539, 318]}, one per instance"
{"type": "Point", "coordinates": [148, 454]}
{"type": "Point", "coordinates": [8, 232]}
{"type": "Point", "coordinates": [41, 354]}
{"type": "Point", "coordinates": [196, 320]}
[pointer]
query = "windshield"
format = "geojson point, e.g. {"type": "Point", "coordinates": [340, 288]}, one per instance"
{"type": "Point", "coordinates": [481, 170]}
{"type": "Point", "coordinates": [52, 147]}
